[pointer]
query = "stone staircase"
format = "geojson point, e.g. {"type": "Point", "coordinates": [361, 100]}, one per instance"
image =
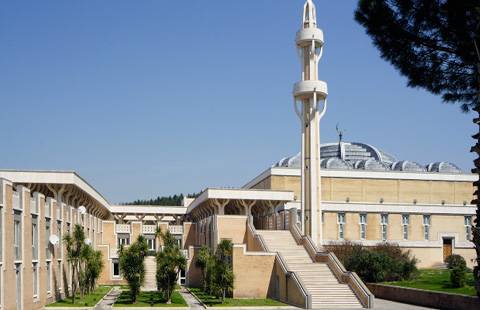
{"type": "Point", "coordinates": [320, 282]}
{"type": "Point", "coordinates": [150, 274]}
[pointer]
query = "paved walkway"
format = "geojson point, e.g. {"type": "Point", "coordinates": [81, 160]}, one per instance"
{"type": "Point", "coordinates": [109, 299]}
{"type": "Point", "coordinates": [192, 302]}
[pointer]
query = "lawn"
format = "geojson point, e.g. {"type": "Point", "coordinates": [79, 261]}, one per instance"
{"type": "Point", "coordinates": [212, 301]}
{"type": "Point", "coordinates": [437, 280]}
{"type": "Point", "coordinates": [149, 299]}
{"type": "Point", "coordinates": [89, 300]}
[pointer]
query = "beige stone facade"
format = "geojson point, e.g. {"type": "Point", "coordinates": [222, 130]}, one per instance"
{"type": "Point", "coordinates": [439, 209]}
{"type": "Point", "coordinates": [34, 272]}
{"type": "Point", "coordinates": [424, 213]}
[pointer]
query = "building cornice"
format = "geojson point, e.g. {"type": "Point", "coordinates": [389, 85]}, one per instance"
{"type": "Point", "coordinates": [362, 174]}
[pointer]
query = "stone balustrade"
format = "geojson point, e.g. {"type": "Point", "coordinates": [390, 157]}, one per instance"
{"type": "Point", "coordinates": [175, 229]}
{"type": "Point", "coordinates": [122, 228]}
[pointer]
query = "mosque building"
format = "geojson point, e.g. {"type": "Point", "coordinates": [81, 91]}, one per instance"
{"type": "Point", "coordinates": [279, 222]}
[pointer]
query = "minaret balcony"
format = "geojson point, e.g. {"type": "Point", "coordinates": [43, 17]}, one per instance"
{"type": "Point", "coordinates": [305, 36]}
{"type": "Point", "coordinates": [305, 89]}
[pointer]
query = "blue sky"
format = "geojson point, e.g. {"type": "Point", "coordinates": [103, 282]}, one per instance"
{"type": "Point", "coordinates": [146, 98]}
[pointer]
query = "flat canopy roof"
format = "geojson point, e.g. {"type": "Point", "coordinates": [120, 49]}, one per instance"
{"type": "Point", "coordinates": [46, 181]}
{"type": "Point", "coordinates": [148, 209]}
{"type": "Point", "coordinates": [254, 195]}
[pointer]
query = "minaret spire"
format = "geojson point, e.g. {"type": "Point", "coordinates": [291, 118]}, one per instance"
{"type": "Point", "coordinates": [310, 101]}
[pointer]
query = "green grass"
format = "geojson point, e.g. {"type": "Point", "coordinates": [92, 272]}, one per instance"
{"type": "Point", "coordinates": [212, 301]}
{"type": "Point", "coordinates": [149, 299]}
{"type": "Point", "coordinates": [89, 300]}
{"type": "Point", "coordinates": [438, 280]}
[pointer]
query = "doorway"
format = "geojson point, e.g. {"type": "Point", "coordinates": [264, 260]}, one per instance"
{"type": "Point", "coordinates": [447, 247]}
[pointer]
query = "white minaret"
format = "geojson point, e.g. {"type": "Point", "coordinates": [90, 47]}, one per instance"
{"type": "Point", "coordinates": [310, 101]}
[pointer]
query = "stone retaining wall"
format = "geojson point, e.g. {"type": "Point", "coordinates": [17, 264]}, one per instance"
{"type": "Point", "coordinates": [424, 298]}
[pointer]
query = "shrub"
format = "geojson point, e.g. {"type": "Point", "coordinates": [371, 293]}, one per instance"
{"type": "Point", "coordinates": [458, 275]}
{"type": "Point", "coordinates": [455, 260]}
{"type": "Point", "coordinates": [370, 266]}
{"type": "Point", "coordinates": [344, 249]}
{"type": "Point", "coordinates": [383, 262]}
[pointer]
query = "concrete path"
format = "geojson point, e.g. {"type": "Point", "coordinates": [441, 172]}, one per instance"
{"type": "Point", "coordinates": [109, 299]}
{"type": "Point", "coordinates": [192, 302]}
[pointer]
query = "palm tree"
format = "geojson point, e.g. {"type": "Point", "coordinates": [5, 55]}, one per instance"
{"type": "Point", "coordinates": [203, 258]}
{"type": "Point", "coordinates": [92, 267]}
{"type": "Point", "coordinates": [223, 274]}
{"type": "Point", "coordinates": [169, 262]}
{"type": "Point", "coordinates": [132, 266]}
{"type": "Point", "coordinates": [74, 246]}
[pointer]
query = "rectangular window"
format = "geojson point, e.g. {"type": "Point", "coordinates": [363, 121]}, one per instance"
{"type": "Point", "coordinates": [59, 211]}
{"type": "Point", "coordinates": [426, 227]}
{"type": "Point", "coordinates": [363, 226]}
{"type": "Point", "coordinates": [59, 235]}
{"type": "Point", "coordinates": [48, 209]}
{"type": "Point", "coordinates": [17, 235]}
{"type": "Point", "coordinates": [384, 225]}
{"type": "Point", "coordinates": [34, 238]}
{"type": "Point", "coordinates": [59, 274]}
{"type": "Point", "coordinates": [69, 275]}
{"type": "Point", "coordinates": [468, 227]}
{"type": "Point", "coordinates": [341, 225]}
{"type": "Point", "coordinates": [116, 268]}
{"type": "Point", "coordinates": [1, 235]}
{"type": "Point", "coordinates": [123, 239]}
{"type": "Point", "coordinates": [35, 280]}
{"type": "Point", "coordinates": [405, 223]}
{"type": "Point", "coordinates": [47, 237]}
{"type": "Point", "coordinates": [49, 277]}
{"type": "Point", "coordinates": [1, 291]}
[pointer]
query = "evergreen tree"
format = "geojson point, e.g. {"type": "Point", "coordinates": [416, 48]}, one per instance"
{"type": "Point", "coordinates": [435, 44]}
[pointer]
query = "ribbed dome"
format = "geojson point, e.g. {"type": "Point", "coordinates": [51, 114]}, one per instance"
{"type": "Point", "coordinates": [406, 165]}
{"type": "Point", "coordinates": [370, 164]}
{"type": "Point", "coordinates": [361, 156]}
{"type": "Point", "coordinates": [443, 167]}
{"type": "Point", "coordinates": [334, 163]}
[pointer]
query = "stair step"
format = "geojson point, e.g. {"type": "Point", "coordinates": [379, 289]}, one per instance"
{"type": "Point", "coordinates": [319, 280]}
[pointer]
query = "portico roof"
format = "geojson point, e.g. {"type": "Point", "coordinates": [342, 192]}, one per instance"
{"type": "Point", "coordinates": [69, 183]}
{"type": "Point", "coordinates": [229, 201]}
{"type": "Point", "coordinates": [147, 212]}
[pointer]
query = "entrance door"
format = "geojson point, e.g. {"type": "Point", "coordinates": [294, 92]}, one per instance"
{"type": "Point", "coordinates": [447, 247]}
{"type": "Point", "coordinates": [151, 244]}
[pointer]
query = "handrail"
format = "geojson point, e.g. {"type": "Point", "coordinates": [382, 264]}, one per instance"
{"type": "Point", "coordinates": [257, 236]}
{"type": "Point", "coordinates": [296, 279]}
{"type": "Point", "coordinates": [283, 265]}
{"type": "Point", "coordinates": [351, 278]}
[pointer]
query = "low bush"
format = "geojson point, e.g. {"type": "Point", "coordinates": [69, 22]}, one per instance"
{"type": "Point", "coordinates": [458, 275]}
{"type": "Point", "coordinates": [455, 260]}
{"type": "Point", "coordinates": [383, 262]}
